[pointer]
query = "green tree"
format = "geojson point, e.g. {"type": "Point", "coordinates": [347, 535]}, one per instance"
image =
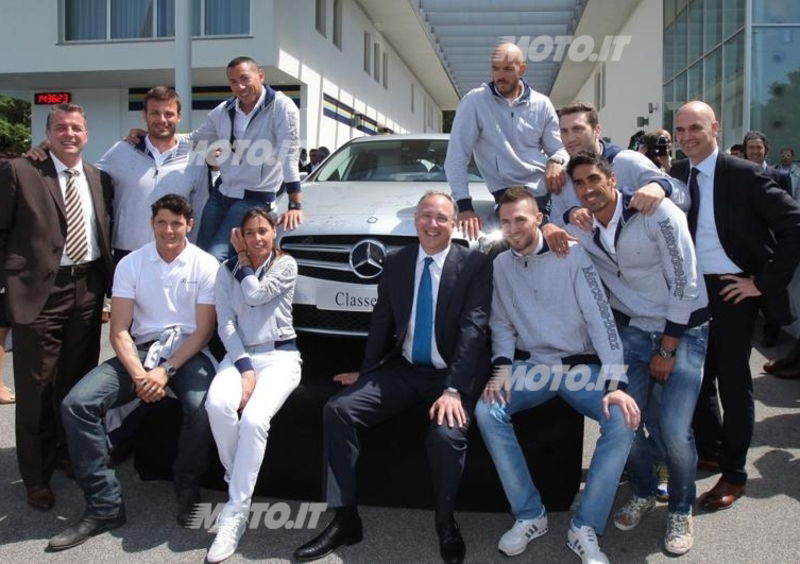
{"type": "Point", "coordinates": [15, 125]}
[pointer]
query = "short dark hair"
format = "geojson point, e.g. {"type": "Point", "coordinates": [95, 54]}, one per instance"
{"type": "Point", "coordinates": [514, 194]}
{"type": "Point", "coordinates": [750, 135]}
{"type": "Point", "coordinates": [324, 150]}
{"type": "Point", "coordinates": [241, 60]}
{"type": "Point", "coordinates": [589, 158]}
{"type": "Point", "coordinates": [581, 107]}
{"type": "Point", "coordinates": [737, 147]}
{"type": "Point", "coordinates": [174, 203]}
{"type": "Point", "coordinates": [68, 108]}
{"type": "Point", "coordinates": [791, 151]}
{"type": "Point", "coordinates": [162, 94]}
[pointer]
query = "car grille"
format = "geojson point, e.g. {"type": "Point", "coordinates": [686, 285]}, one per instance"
{"type": "Point", "coordinates": [310, 319]}
{"type": "Point", "coordinates": [327, 257]}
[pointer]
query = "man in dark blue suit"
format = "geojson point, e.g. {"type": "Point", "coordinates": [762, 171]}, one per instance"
{"type": "Point", "coordinates": [427, 344]}
{"type": "Point", "coordinates": [756, 147]}
{"type": "Point", "coordinates": [747, 237]}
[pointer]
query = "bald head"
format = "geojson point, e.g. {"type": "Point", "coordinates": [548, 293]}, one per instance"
{"type": "Point", "coordinates": [508, 66]}
{"type": "Point", "coordinates": [696, 130]}
{"type": "Point", "coordinates": [508, 52]}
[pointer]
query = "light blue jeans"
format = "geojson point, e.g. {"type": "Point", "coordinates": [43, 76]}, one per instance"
{"type": "Point", "coordinates": [608, 460]}
{"type": "Point", "coordinates": [667, 411]}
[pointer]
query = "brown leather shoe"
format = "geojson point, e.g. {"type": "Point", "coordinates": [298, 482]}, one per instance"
{"type": "Point", "coordinates": [40, 497]}
{"type": "Point", "coordinates": [722, 495]}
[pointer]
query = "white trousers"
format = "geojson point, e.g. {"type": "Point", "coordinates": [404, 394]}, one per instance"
{"type": "Point", "coordinates": [241, 442]}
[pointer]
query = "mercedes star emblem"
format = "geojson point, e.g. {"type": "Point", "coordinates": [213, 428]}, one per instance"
{"type": "Point", "coordinates": [366, 258]}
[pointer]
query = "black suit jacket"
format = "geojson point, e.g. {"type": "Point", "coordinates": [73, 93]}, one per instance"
{"type": "Point", "coordinates": [33, 230]}
{"type": "Point", "coordinates": [758, 225]}
{"type": "Point", "coordinates": [781, 178]}
{"type": "Point", "coordinates": [462, 315]}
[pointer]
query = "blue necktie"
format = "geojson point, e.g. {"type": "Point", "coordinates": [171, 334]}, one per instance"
{"type": "Point", "coordinates": [423, 321]}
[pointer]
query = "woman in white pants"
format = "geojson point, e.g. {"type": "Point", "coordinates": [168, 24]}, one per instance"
{"type": "Point", "coordinates": [261, 368]}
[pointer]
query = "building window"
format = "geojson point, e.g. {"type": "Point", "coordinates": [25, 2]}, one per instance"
{"type": "Point", "coordinates": [412, 97]}
{"type": "Point", "coordinates": [376, 61]}
{"type": "Point", "coordinates": [321, 15]}
{"type": "Point", "coordinates": [367, 52]}
{"type": "Point", "coordinates": [109, 20]}
{"type": "Point", "coordinates": [600, 88]}
{"type": "Point", "coordinates": [385, 69]}
{"type": "Point", "coordinates": [337, 23]}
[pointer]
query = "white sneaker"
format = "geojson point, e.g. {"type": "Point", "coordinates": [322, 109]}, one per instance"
{"type": "Point", "coordinates": [230, 529]}
{"type": "Point", "coordinates": [630, 514]}
{"type": "Point", "coordinates": [516, 539]}
{"type": "Point", "coordinates": [583, 542]}
{"type": "Point", "coordinates": [679, 537]}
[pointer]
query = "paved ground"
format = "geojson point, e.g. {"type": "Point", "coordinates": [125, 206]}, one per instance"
{"type": "Point", "coordinates": [762, 527]}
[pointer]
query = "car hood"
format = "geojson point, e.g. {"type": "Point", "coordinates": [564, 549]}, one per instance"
{"type": "Point", "coordinates": [373, 207]}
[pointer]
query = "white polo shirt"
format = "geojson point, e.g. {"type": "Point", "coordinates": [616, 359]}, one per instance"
{"type": "Point", "coordinates": [165, 294]}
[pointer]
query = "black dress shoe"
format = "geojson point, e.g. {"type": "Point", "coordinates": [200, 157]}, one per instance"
{"type": "Point", "coordinates": [787, 373]}
{"type": "Point", "coordinates": [40, 496]}
{"type": "Point", "coordinates": [187, 499]}
{"type": "Point", "coordinates": [338, 532]}
{"type": "Point", "coordinates": [451, 545]}
{"type": "Point", "coordinates": [84, 529]}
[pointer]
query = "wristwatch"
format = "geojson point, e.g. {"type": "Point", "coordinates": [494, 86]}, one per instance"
{"type": "Point", "coordinates": [557, 159]}
{"type": "Point", "coordinates": [295, 206]}
{"type": "Point", "coordinates": [451, 389]}
{"type": "Point", "coordinates": [170, 370]}
{"type": "Point", "coordinates": [666, 353]}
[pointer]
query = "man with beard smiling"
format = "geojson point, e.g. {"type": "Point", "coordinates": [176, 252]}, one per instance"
{"type": "Point", "coordinates": [554, 312]}
{"type": "Point", "coordinates": [427, 344]}
{"type": "Point", "coordinates": [511, 130]}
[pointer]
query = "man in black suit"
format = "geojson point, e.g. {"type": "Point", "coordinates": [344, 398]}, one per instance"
{"type": "Point", "coordinates": [747, 236]}
{"type": "Point", "coordinates": [55, 252]}
{"type": "Point", "coordinates": [427, 344]}
{"type": "Point", "coordinates": [756, 147]}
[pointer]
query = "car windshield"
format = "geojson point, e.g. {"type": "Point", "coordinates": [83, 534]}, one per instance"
{"type": "Point", "coordinates": [390, 160]}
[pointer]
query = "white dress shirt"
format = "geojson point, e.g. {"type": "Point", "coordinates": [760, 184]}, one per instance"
{"type": "Point", "coordinates": [436, 275]}
{"type": "Point", "coordinates": [711, 257]}
{"type": "Point", "coordinates": [241, 119]}
{"type": "Point", "coordinates": [87, 206]}
{"type": "Point", "coordinates": [608, 233]}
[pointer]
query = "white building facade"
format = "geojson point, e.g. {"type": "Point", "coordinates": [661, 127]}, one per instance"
{"type": "Point", "coordinates": [330, 56]}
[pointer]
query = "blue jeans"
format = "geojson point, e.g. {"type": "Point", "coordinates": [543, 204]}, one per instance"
{"type": "Point", "coordinates": [667, 411]}
{"type": "Point", "coordinates": [220, 215]}
{"type": "Point", "coordinates": [608, 460]}
{"type": "Point", "coordinates": [109, 385]}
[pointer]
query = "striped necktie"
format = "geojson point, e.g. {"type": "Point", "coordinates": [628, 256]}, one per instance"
{"type": "Point", "coordinates": [77, 244]}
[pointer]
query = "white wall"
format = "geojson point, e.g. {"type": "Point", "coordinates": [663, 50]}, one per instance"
{"type": "Point", "coordinates": [303, 53]}
{"type": "Point", "coordinates": [635, 79]}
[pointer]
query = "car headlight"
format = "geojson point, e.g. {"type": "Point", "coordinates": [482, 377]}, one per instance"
{"type": "Point", "coordinates": [492, 243]}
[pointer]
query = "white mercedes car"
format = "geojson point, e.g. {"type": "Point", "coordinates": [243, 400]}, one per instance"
{"type": "Point", "coordinates": [358, 207]}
